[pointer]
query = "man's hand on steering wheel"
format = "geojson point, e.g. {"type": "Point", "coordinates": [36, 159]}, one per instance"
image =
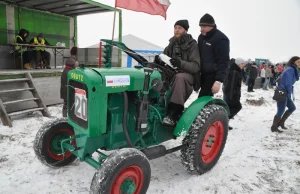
{"type": "Point", "coordinates": [157, 60]}
{"type": "Point", "coordinates": [175, 62]}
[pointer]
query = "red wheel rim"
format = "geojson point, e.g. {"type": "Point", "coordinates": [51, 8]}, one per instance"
{"type": "Point", "coordinates": [134, 173]}
{"type": "Point", "coordinates": [67, 133]}
{"type": "Point", "coordinates": [212, 142]}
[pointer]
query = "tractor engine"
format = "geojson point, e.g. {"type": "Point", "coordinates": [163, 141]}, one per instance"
{"type": "Point", "coordinates": [115, 107]}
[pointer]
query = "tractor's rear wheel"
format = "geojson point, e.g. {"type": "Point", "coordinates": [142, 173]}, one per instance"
{"type": "Point", "coordinates": [205, 140]}
{"type": "Point", "coordinates": [48, 140]}
{"type": "Point", "coordinates": [125, 171]}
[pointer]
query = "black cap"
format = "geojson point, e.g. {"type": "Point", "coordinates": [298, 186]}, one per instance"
{"type": "Point", "coordinates": [207, 20]}
{"type": "Point", "coordinates": [183, 23]}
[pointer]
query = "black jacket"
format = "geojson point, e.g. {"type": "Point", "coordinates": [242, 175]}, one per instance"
{"type": "Point", "coordinates": [187, 50]}
{"type": "Point", "coordinates": [253, 72]}
{"type": "Point", "coordinates": [189, 54]}
{"type": "Point", "coordinates": [214, 53]}
{"type": "Point", "coordinates": [232, 83]}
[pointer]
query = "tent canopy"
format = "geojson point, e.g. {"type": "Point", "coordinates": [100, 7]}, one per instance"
{"type": "Point", "coordinates": [63, 7]}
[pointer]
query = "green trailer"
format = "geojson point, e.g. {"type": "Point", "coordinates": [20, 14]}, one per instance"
{"type": "Point", "coordinates": [115, 125]}
{"type": "Point", "coordinates": [56, 19]}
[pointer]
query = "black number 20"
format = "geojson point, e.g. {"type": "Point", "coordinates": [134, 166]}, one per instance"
{"type": "Point", "coordinates": [81, 107]}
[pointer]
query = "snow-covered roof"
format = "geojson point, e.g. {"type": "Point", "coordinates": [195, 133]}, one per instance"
{"type": "Point", "coordinates": [135, 43]}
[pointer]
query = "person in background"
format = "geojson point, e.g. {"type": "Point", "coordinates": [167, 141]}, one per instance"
{"type": "Point", "coordinates": [41, 51]}
{"type": "Point", "coordinates": [262, 66]}
{"type": "Point", "coordinates": [252, 76]}
{"type": "Point", "coordinates": [273, 77]}
{"type": "Point", "coordinates": [268, 76]}
{"type": "Point", "coordinates": [232, 86]}
{"type": "Point", "coordinates": [214, 48]}
{"type": "Point", "coordinates": [71, 63]}
{"type": "Point", "coordinates": [263, 75]}
{"type": "Point", "coordinates": [280, 69]}
{"type": "Point", "coordinates": [244, 76]}
{"type": "Point", "coordinates": [247, 71]}
{"type": "Point", "coordinates": [287, 80]}
{"type": "Point", "coordinates": [27, 55]}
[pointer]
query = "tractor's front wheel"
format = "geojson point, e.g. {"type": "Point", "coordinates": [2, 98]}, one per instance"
{"type": "Point", "coordinates": [205, 140]}
{"type": "Point", "coordinates": [125, 171]}
{"type": "Point", "coordinates": [47, 143]}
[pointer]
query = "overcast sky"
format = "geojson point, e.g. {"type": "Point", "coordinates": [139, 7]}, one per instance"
{"type": "Point", "coordinates": [256, 28]}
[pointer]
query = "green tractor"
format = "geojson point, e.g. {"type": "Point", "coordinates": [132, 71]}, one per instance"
{"type": "Point", "coordinates": [115, 124]}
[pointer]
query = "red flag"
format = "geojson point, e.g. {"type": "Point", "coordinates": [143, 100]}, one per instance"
{"type": "Point", "coordinates": [153, 7]}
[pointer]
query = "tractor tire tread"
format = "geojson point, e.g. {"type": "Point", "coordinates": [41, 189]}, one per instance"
{"type": "Point", "coordinates": [188, 153]}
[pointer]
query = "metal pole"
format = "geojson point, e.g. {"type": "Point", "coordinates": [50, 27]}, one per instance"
{"type": "Point", "coordinates": [120, 38]}
{"type": "Point", "coordinates": [113, 32]}
{"type": "Point", "coordinates": [100, 55]}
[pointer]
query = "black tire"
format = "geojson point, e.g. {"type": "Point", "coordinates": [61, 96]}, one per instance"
{"type": "Point", "coordinates": [204, 149]}
{"type": "Point", "coordinates": [118, 165]}
{"type": "Point", "coordinates": [51, 156]}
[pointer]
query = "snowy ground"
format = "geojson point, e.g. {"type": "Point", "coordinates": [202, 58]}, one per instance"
{"type": "Point", "coordinates": [254, 159]}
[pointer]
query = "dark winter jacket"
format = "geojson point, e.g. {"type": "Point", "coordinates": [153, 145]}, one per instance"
{"type": "Point", "coordinates": [186, 49]}
{"type": "Point", "coordinates": [288, 79]}
{"type": "Point", "coordinates": [22, 38]}
{"type": "Point", "coordinates": [188, 53]}
{"type": "Point", "coordinates": [253, 72]}
{"type": "Point", "coordinates": [214, 53]}
{"type": "Point", "coordinates": [232, 83]}
{"type": "Point", "coordinates": [64, 81]}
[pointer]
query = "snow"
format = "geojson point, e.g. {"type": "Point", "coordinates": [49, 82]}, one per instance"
{"type": "Point", "coordinates": [254, 160]}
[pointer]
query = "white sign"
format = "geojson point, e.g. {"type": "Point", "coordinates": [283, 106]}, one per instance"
{"type": "Point", "coordinates": [80, 104]}
{"type": "Point", "coordinates": [117, 80]}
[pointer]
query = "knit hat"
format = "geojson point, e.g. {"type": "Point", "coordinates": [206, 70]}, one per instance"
{"type": "Point", "coordinates": [207, 20]}
{"type": "Point", "coordinates": [73, 51]}
{"type": "Point", "coordinates": [183, 23]}
{"type": "Point", "coordinates": [239, 61]}
{"type": "Point", "coordinates": [41, 35]}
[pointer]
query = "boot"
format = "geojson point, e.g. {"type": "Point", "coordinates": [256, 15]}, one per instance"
{"type": "Point", "coordinates": [274, 127]}
{"type": "Point", "coordinates": [172, 117]}
{"type": "Point", "coordinates": [283, 119]}
{"type": "Point", "coordinates": [27, 66]}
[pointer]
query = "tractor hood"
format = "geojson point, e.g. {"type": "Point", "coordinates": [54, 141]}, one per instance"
{"type": "Point", "coordinates": [112, 80]}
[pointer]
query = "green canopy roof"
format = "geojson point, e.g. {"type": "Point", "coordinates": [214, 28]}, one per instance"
{"type": "Point", "coordinates": [63, 7]}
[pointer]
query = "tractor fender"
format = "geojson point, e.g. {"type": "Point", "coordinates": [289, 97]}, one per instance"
{"type": "Point", "coordinates": [189, 115]}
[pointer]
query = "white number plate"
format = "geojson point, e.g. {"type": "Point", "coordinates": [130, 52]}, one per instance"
{"type": "Point", "coordinates": [80, 110]}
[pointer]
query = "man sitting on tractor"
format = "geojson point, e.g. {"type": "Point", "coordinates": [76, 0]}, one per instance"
{"type": "Point", "coordinates": [184, 54]}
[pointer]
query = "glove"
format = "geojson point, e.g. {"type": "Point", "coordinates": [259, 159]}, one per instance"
{"type": "Point", "coordinates": [157, 60]}
{"type": "Point", "coordinates": [175, 62]}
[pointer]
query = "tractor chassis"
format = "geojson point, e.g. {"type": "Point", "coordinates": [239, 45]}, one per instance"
{"type": "Point", "coordinates": [151, 152]}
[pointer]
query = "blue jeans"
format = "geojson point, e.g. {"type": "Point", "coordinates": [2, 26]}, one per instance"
{"type": "Point", "coordinates": [281, 106]}
{"type": "Point", "coordinates": [267, 80]}
{"type": "Point", "coordinates": [272, 81]}
{"type": "Point", "coordinates": [247, 79]}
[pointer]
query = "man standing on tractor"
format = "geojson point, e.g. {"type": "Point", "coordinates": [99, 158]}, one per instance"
{"type": "Point", "coordinates": [184, 54]}
{"type": "Point", "coordinates": [40, 51]}
{"type": "Point", "coordinates": [214, 52]}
